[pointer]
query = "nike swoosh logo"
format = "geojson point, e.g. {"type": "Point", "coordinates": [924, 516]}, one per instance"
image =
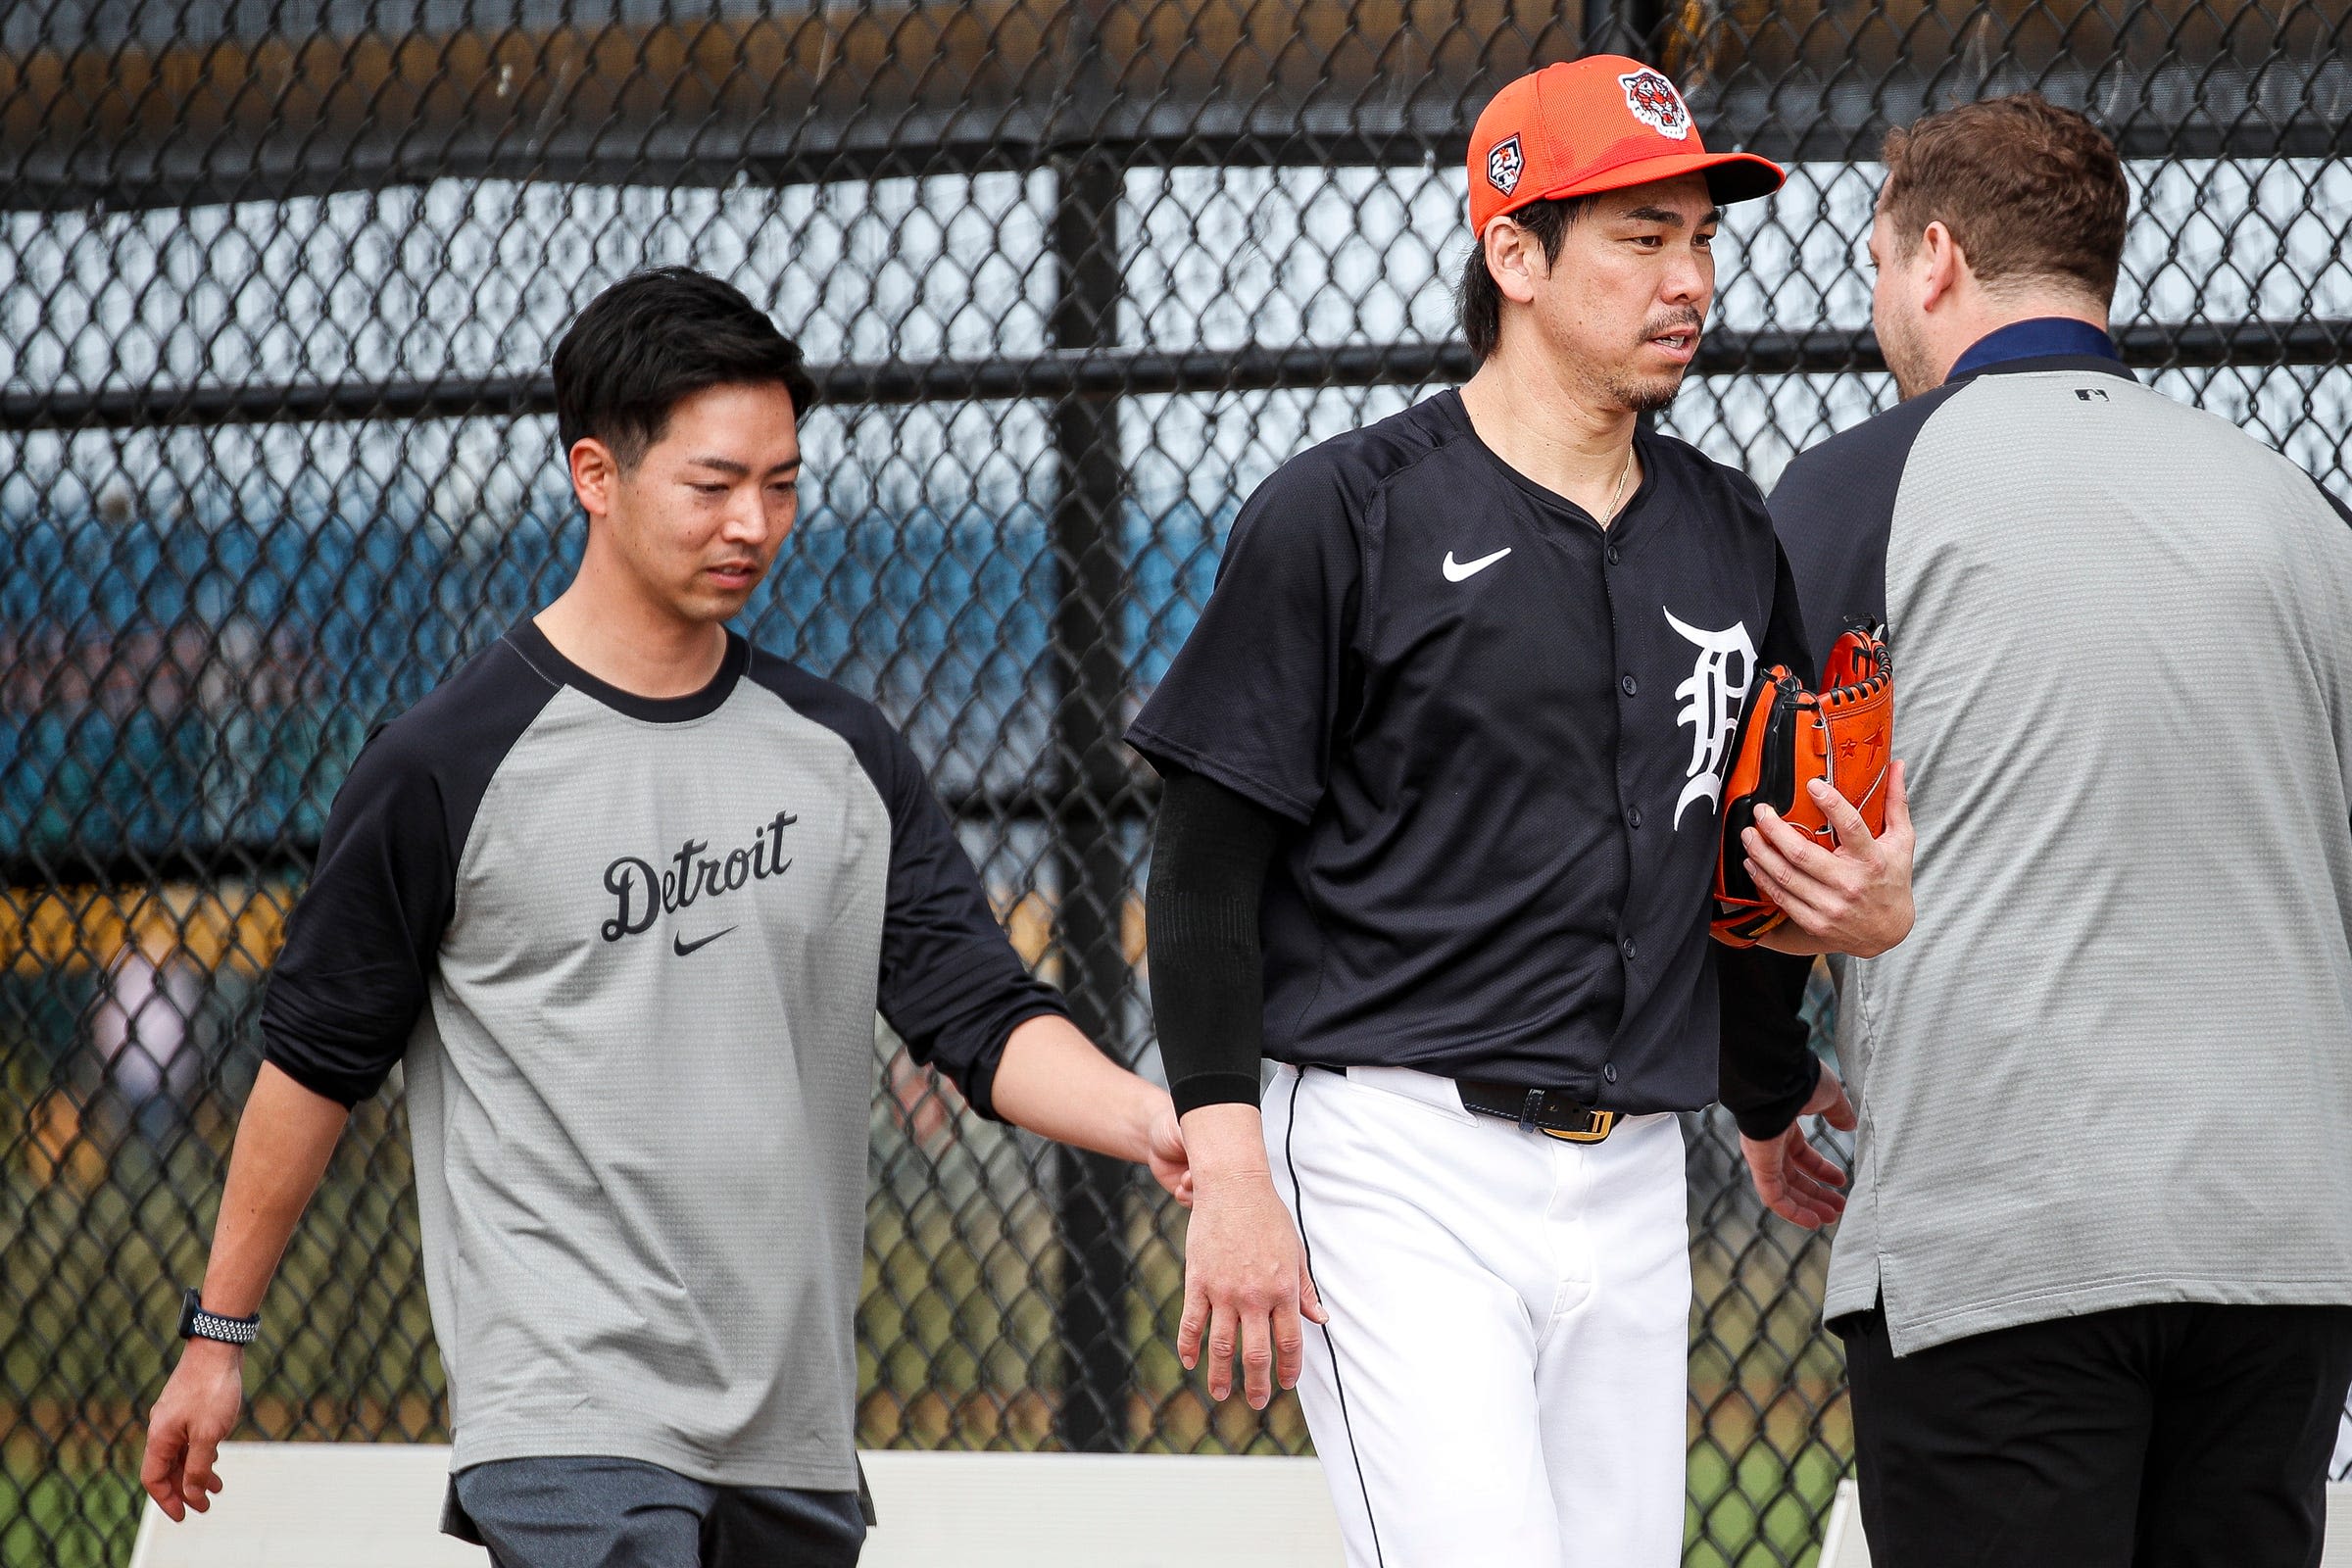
{"type": "Point", "coordinates": [681, 947]}
{"type": "Point", "coordinates": [1457, 570]}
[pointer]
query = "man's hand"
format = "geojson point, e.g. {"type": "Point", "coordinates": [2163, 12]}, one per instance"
{"type": "Point", "coordinates": [1171, 1166]}
{"type": "Point", "coordinates": [1052, 1081]}
{"type": "Point", "coordinates": [1794, 1179]}
{"type": "Point", "coordinates": [1245, 1286]}
{"type": "Point", "coordinates": [195, 1414]}
{"type": "Point", "coordinates": [283, 1139]}
{"type": "Point", "coordinates": [1855, 900]}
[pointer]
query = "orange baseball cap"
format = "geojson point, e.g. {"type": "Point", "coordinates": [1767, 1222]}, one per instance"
{"type": "Point", "coordinates": [1602, 122]}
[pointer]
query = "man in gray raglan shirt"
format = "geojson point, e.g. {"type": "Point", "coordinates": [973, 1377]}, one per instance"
{"type": "Point", "coordinates": [2093, 1279]}
{"type": "Point", "coordinates": [623, 896]}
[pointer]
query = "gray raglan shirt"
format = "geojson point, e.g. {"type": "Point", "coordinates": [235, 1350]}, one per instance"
{"type": "Point", "coordinates": [2113, 1063]}
{"type": "Point", "coordinates": [629, 951]}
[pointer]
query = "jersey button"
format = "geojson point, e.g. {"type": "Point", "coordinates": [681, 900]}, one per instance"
{"type": "Point", "coordinates": [1628, 946]}
{"type": "Point", "coordinates": [1608, 1070]}
{"type": "Point", "coordinates": [1632, 816]}
{"type": "Point", "coordinates": [1612, 555]}
{"type": "Point", "coordinates": [1630, 684]}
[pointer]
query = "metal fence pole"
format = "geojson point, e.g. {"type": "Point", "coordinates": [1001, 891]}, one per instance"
{"type": "Point", "coordinates": [1623, 27]}
{"type": "Point", "coordinates": [1095, 876]}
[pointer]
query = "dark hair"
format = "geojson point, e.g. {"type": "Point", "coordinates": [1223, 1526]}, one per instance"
{"type": "Point", "coordinates": [653, 340]}
{"type": "Point", "coordinates": [2029, 190]}
{"type": "Point", "coordinates": [1479, 298]}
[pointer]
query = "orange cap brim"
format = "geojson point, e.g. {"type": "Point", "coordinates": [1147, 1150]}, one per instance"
{"type": "Point", "coordinates": [1731, 176]}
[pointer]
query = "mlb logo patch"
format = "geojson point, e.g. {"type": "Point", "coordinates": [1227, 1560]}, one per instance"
{"type": "Point", "coordinates": [1655, 103]}
{"type": "Point", "coordinates": [1504, 165]}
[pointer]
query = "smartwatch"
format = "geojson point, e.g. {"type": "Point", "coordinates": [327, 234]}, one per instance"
{"type": "Point", "coordinates": [195, 1323]}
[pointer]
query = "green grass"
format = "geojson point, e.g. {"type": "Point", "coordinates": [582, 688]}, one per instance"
{"type": "Point", "coordinates": [1760, 1509]}
{"type": "Point", "coordinates": [64, 1521]}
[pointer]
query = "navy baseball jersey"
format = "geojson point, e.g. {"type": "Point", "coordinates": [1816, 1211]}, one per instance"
{"type": "Point", "coordinates": [629, 951]}
{"type": "Point", "coordinates": [1501, 732]}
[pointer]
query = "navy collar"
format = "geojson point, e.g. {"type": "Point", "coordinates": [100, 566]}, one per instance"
{"type": "Point", "coordinates": [2043, 337]}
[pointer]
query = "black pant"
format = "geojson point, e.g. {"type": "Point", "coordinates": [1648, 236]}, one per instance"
{"type": "Point", "coordinates": [2177, 1436]}
{"type": "Point", "coordinates": [624, 1514]}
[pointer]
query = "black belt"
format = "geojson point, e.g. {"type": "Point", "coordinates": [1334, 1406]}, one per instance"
{"type": "Point", "coordinates": [1549, 1111]}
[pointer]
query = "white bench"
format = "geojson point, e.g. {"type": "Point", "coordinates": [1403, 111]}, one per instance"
{"type": "Point", "coordinates": [378, 1505]}
{"type": "Point", "coordinates": [1842, 1546]}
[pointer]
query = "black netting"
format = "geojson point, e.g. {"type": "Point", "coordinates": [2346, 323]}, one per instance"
{"type": "Point", "coordinates": [279, 279]}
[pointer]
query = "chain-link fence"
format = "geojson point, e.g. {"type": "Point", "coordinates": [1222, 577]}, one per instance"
{"type": "Point", "coordinates": [279, 279]}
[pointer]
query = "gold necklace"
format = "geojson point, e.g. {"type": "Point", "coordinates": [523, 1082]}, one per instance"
{"type": "Point", "coordinates": [1623, 474]}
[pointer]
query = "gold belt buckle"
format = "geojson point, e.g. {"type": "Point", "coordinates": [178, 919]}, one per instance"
{"type": "Point", "coordinates": [1599, 1124]}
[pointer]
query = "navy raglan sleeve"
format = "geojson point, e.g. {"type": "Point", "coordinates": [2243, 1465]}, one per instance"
{"type": "Point", "coordinates": [356, 970]}
{"type": "Point", "coordinates": [1785, 639]}
{"type": "Point", "coordinates": [1834, 509]}
{"type": "Point", "coordinates": [347, 988]}
{"type": "Point", "coordinates": [1257, 694]}
{"type": "Point", "coordinates": [952, 985]}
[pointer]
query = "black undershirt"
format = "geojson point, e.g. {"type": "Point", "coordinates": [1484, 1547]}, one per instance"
{"type": "Point", "coordinates": [1767, 1068]}
{"type": "Point", "coordinates": [1210, 856]}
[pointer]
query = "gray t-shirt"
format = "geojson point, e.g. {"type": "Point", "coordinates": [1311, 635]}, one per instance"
{"type": "Point", "coordinates": [629, 951]}
{"type": "Point", "coordinates": [2112, 1065]}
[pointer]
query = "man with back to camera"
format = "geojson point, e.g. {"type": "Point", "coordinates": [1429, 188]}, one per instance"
{"type": "Point", "coordinates": [623, 895]}
{"type": "Point", "coordinates": [2096, 1279]}
{"type": "Point", "coordinates": [1444, 759]}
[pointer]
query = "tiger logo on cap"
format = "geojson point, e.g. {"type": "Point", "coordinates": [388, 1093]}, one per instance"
{"type": "Point", "coordinates": [1655, 103]}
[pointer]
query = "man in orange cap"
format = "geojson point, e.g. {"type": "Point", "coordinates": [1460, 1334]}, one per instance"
{"type": "Point", "coordinates": [1444, 762]}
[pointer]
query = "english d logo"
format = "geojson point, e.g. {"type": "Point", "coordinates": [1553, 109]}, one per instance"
{"type": "Point", "coordinates": [1504, 165]}
{"type": "Point", "coordinates": [1655, 103]}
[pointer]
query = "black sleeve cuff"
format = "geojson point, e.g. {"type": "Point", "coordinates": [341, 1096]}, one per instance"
{"type": "Point", "coordinates": [1213, 1088]}
{"type": "Point", "coordinates": [1769, 1119]}
{"type": "Point", "coordinates": [974, 1071]}
{"type": "Point", "coordinates": [1766, 1061]}
{"type": "Point", "coordinates": [345, 1089]}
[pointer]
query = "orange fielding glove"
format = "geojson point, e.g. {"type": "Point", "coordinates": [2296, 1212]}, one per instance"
{"type": "Point", "coordinates": [1789, 737]}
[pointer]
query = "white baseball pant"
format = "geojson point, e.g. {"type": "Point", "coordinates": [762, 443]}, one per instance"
{"type": "Point", "coordinates": [1504, 1377]}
